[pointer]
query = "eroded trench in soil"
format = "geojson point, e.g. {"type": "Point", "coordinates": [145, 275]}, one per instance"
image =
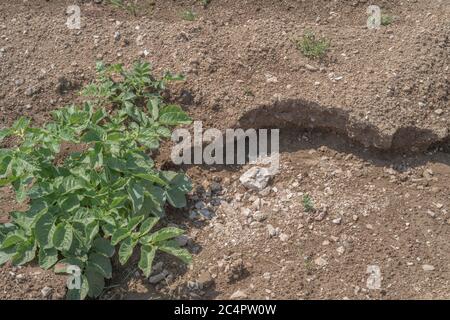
{"type": "Point", "coordinates": [300, 115]}
{"type": "Point", "coordinates": [307, 125]}
{"type": "Point", "coordinates": [332, 127]}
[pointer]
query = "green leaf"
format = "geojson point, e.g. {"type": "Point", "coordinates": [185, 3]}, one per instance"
{"type": "Point", "coordinates": [101, 264]}
{"type": "Point", "coordinates": [63, 236]}
{"type": "Point", "coordinates": [44, 230]}
{"type": "Point", "coordinates": [171, 108]}
{"type": "Point", "coordinates": [47, 258]}
{"type": "Point", "coordinates": [139, 163]}
{"type": "Point", "coordinates": [104, 247]}
{"type": "Point", "coordinates": [6, 228]}
{"type": "Point", "coordinates": [164, 132]}
{"type": "Point", "coordinates": [13, 239]}
{"type": "Point", "coordinates": [176, 197]}
{"type": "Point", "coordinates": [71, 183]}
{"type": "Point", "coordinates": [80, 294]}
{"type": "Point", "coordinates": [5, 160]}
{"type": "Point", "coordinates": [147, 225]}
{"type": "Point", "coordinates": [99, 115]}
{"type": "Point", "coordinates": [126, 250]}
{"type": "Point", "coordinates": [26, 220]}
{"type": "Point", "coordinates": [26, 251]}
{"type": "Point", "coordinates": [119, 235]}
{"type": "Point", "coordinates": [181, 182]}
{"type": "Point", "coordinates": [173, 115]}
{"type": "Point", "coordinates": [136, 192]}
{"type": "Point", "coordinates": [7, 254]}
{"type": "Point", "coordinates": [115, 136]}
{"type": "Point", "coordinates": [70, 203]}
{"type": "Point", "coordinates": [91, 230]}
{"type": "Point", "coordinates": [134, 222]}
{"type": "Point", "coordinates": [21, 124]}
{"type": "Point", "coordinates": [149, 139]}
{"type": "Point", "coordinates": [152, 106]}
{"type": "Point", "coordinates": [118, 202]}
{"type": "Point", "coordinates": [151, 177]}
{"type": "Point", "coordinates": [163, 234]}
{"type": "Point", "coordinates": [21, 191]}
{"type": "Point", "coordinates": [154, 201]}
{"type": "Point", "coordinates": [116, 164]}
{"type": "Point", "coordinates": [168, 76]}
{"type": "Point", "coordinates": [5, 133]}
{"type": "Point", "coordinates": [7, 180]}
{"type": "Point", "coordinates": [92, 135]}
{"type": "Point", "coordinates": [171, 247]}
{"type": "Point", "coordinates": [180, 185]}
{"type": "Point", "coordinates": [96, 282]}
{"type": "Point", "coordinates": [146, 260]}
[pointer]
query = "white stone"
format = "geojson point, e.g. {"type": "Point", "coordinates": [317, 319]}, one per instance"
{"type": "Point", "coordinates": [337, 220]}
{"type": "Point", "coordinates": [321, 262]}
{"type": "Point", "coordinates": [239, 294]}
{"type": "Point", "coordinates": [340, 250]}
{"type": "Point", "coordinates": [260, 216]}
{"type": "Point", "coordinates": [427, 267]}
{"type": "Point", "coordinates": [272, 231]}
{"type": "Point", "coordinates": [271, 79]}
{"type": "Point", "coordinates": [256, 178]}
{"type": "Point", "coordinates": [46, 291]}
{"type": "Point", "coordinates": [284, 237]}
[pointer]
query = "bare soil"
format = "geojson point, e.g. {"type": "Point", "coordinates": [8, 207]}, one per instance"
{"type": "Point", "coordinates": [365, 132]}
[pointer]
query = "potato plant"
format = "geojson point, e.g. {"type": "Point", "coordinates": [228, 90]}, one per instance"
{"type": "Point", "coordinates": [90, 181]}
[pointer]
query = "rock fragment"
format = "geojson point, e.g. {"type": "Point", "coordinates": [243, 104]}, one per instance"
{"type": "Point", "coordinates": [256, 178]}
{"type": "Point", "coordinates": [239, 294]}
{"type": "Point", "coordinates": [427, 267]}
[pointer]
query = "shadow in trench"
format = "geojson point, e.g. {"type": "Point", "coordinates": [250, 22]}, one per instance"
{"type": "Point", "coordinates": [400, 148]}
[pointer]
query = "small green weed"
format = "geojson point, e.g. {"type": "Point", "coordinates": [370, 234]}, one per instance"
{"type": "Point", "coordinates": [205, 3]}
{"type": "Point", "coordinates": [308, 204]}
{"type": "Point", "coordinates": [386, 19]}
{"type": "Point", "coordinates": [311, 46]}
{"type": "Point", "coordinates": [189, 15]}
{"type": "Point", "coordinates": [248, 92]}
{"type": "Point", "coordinates": [127, 6]}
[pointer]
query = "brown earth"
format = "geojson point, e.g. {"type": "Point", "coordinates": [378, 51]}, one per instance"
{"type": "Point", "coordinates": [386, 207]}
